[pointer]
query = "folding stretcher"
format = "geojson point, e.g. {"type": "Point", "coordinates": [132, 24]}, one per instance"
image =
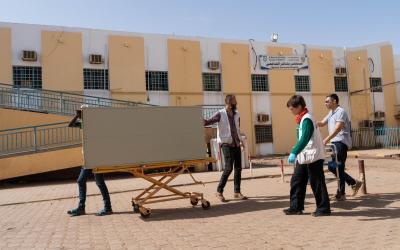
{"type": "Point", "coordinates": [160, 175]}
{"type": "Point", "coordinates": [331, 152]}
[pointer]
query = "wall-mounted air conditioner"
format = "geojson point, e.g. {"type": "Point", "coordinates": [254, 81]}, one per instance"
{"type": "Point", "coordinates": [365, 124]}
{"type": "Point", "coordinates": [213, 65]}
{"type": "Point", "coordinates": [379, 114]}
{"type": "Point", "coordinates": [340, 71]}
{"type": "Point", "coordinates": [95, 59]}
{"type": "Point", "coordinates": [262, 118]}
{"type": "Point", "coordinates": [29, 55]}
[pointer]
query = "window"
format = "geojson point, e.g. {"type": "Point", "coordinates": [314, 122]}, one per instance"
{"type": "Point", "coordinates": [157, 80]}
{"type": "Point", "coordinates": [379, 127]}
{"type": "Point", "coordinates": [211, 82]}
{"type": "Point", "coordinates": [375, 84]}
{"type": "Point", "coordinates": [27, 77]}
{"type": "Point", "coordinates": [259, 82]}
{"type": "Point", "coordinates": [95, 79]}
{"type": "Point", "coordinates": [341, 84]}
{"type": "Point", "coordinates": [263, 133]}
{"type": "Point", "coordinates": [302, 83]}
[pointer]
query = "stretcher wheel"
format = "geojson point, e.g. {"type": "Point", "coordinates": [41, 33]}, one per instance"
{"type": "Point", "coordinates": [144, 212]}
{"type": "Point", "coordinates": [135, 207]}
{"type": "Point", "coordinates": [205, 204]}
{"type": "Point", "coordinates": [194, 201]}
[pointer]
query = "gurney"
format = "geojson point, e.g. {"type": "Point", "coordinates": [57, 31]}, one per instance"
{"type": "Point", "coordinates": [160, 175]}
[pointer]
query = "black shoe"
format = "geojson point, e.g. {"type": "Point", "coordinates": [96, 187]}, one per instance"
{"type": "Point", "coordinates": [105, 211]}
{"type": "Point", "coordinates": [76, 211]}
{"type": "Point", "coordinates": [291, 211]}
{"type": "Point", "coordinates": [319, 214]}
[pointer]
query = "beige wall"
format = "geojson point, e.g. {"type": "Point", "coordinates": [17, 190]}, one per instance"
{"type": "Point", "coordinates": [184, 73]}
{"type": "Point", "coordinates": [10, 118]}
{"type": "Point", "coordinates": [388, 76]}
{"type": "Point", "coordinates": [358, 78]}
{"type": "Point", "coordinates": [322, 81]}
{"type": "Point", "coordinates": [5, 56]}
{"type": "Point", "coordinates": [236, 79]}
{"type": "Point", "coordinates": [40, 162]}
{"type": "Point", "coordinates": [281, 84]}
{"type": "Point", "coordinates": [62, 61]}
{"type": "Point", "coordinates": [126, 68]}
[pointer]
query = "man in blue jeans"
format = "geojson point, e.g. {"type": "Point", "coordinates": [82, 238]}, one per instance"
{"type": "Point", "coordinates": [82, 179]}
{"type": "Point", "coordinates": [339, 135]}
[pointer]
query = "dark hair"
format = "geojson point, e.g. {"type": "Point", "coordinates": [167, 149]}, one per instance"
{"type": "Point", "coordinates": [295, 101]}
{"type": "Point", "coordinates": [334, 97]}
{"type": "Point", "coordinates": [228, 98]}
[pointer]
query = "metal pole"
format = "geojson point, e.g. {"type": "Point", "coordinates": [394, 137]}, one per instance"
{"type": "Point", "coordinates": [282, 172]}
{"type": "Point", "coordinates": [361, 170]}
{"type": "Point", "coordinates": [34, 139]}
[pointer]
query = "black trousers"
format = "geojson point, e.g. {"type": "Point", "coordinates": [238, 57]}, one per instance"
{"type": "Point", "coordinates": [233, 159]}
{"type": "Point", "coordinates": [341, 164]}
{"type": "Point", "coordinates": [82, 179]}
{"type": "Point", "coordinates": [298, 185]}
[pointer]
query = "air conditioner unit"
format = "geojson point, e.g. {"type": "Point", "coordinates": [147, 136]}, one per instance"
{"type": "Point", "coordinates": [365, 124]}
{"type": "Point", "coordinates": [340, 71]}
{"type": "Point", "coordinates": [95, 59]}
{"type": "Point", "coordinates": [379, 114]}
{"type": "Point", "coordinates": [213, 65]}
{"type": "Point", "coordinates": [29, 55]}
{"type": "Point", "coordinates": [262, 118]}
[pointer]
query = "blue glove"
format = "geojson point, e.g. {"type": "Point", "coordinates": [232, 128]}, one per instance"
{"type": "Point", "coordinates": [292, 158]}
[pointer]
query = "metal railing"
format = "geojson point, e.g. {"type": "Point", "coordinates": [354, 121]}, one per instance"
{"type": "Point", "coordinates": [378, 137]}
{"type": "Point", "coordinates": [38, 138]}
{"type": "Point", "coordinates": [55, 102]}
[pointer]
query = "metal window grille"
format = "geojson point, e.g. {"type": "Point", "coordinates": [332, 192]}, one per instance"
{"type": "Point", "coordinates": [211, 82]}
{"type": "Point", "coordinates": [375, 84]}
{"type": "Point", "coordinates": [341, 84]}
{"type": "Point", "coordinates": [27, 77]}
{"type": "Point", "coordinates": [263, 133]}
{"type": "Point", "coordinates": [259, 82]}
{"type": "Point", "coordinates": [378, 127]}
{"type": "Point", "coordinates": [96, 79]}
{"type": "Point", "coordinates": [157, 80]}
{"type": "Point", "coordinates": [302, 83]}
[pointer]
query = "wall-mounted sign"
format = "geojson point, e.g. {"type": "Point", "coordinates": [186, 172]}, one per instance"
{"type": "Point", "coordinates": [283, 62]}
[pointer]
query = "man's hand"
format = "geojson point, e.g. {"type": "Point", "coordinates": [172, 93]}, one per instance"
{"type": "Point", "coordinates": [292, 158]}
{"type": "Point", "coordinates": [320, 124]}
{"type": "Point", "coordinates": [326, 141]}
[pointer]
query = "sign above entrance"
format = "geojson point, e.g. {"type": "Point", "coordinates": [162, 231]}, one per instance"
{"type": "Point", "coordinates": [283, 62]}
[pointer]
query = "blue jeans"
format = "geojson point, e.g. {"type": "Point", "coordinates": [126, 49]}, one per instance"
{"type": "Point", "coordinates": [82, 179]}
{"type": "Point", "coordinates": [341, 164]}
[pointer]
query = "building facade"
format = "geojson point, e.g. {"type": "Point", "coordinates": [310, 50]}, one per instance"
{"type": "Point", "coordinates": [180, 71]}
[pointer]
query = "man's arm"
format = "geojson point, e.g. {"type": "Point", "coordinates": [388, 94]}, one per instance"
{"type": "Point", "coordinates": [214, 119]}
{"type": "Point", "coordinates": [323, 122]}
{"type": "Point", "coordinates": [338, 127]}
{"type": "Point", "coordinates": [73, 121]}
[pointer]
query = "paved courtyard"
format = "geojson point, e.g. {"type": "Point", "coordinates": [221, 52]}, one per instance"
{"type": "Point", "coordinates": [34, 216]}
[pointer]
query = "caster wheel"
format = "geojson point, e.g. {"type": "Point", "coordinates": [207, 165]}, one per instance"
{"type": "Point", "coordinates": [135, 207]}
{"type": "Point", "coordinates": [205, 204]}
{"type": "Point", "coordinates": [144, 212]}
{"type": "Point", "coordinates": [194, 201]}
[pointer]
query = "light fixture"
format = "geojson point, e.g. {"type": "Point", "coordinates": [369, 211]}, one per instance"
{"type": "Point", "coordinates": [274, 37]}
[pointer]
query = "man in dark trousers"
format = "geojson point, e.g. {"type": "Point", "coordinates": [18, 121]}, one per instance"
{"type": "Point", "coordinates": [228, 136]}
{"type": "Point", "coordinates": [82, 179]}
{"type": "Point", "coordinates": [339, 135]}
{"type": "Point", "coordinates": [308, 157]}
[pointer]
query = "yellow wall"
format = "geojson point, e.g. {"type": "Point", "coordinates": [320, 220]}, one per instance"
{"type": "Point", "coordinates": [126, 68]}
{"type": "Point", "coordinates": [358, 78]}
{"type": "Point", "coordinates": [281, 85]}
{"type": "Point", "coordinates": [10, 118]}
{"type": "Point", "coordinates": [322, 81]}
{"type": "Point", "coordinates": [62, 61]}
{"type": "Point", "coordinates": [184, 73]}
{"type": "Point", "coordinates": [40, 162]}
{"type": "Point", "coordinates": [388, 76]}
{"type": "Point", "coordinates": [236, 79]}
{"type": "Point", "coordinates": [5, 56]}
{"type": "Point", "coordinates": [235, 63]}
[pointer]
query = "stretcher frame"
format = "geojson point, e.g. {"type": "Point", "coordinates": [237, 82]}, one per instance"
{"type": "Point", "coordinates": [332, 152]}
{"type": "Point", "coordinates": [167, 172]}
